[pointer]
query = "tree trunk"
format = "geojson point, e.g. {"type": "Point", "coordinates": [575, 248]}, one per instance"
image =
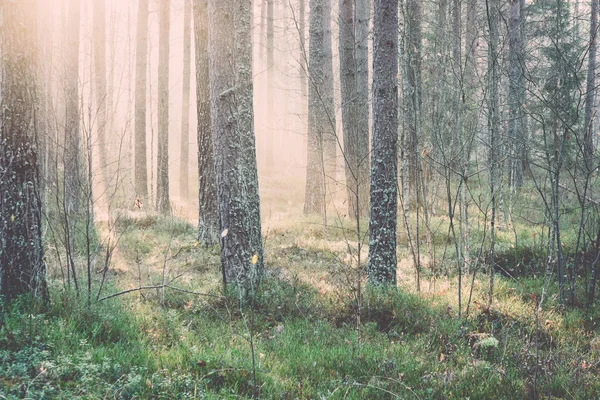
{"type": "Point", "coordinates": [590, 97]}
{"type": "Point", "coordinates": [516, 94]}
{"type": "Point", "coordinates": [163, 202]}
{"type": "Point", "coordinates": [321, 118]}
{"type": "Point", "coordinates": [72, 162]}
{"type": "Point", "coordinates": [354, 71]}
{"type": "Point", "coordinates": [185, 102]}
{"type": "Point", "coordinates": [208, 222]}
{"type": "Point", "coordinates": [384, 201]}
{"type": "Point", "coordinates": [270, 141]}
{"type": "Point", "coordinates": [22, 267]}
{"type": "Point", "coordinates": [141, 169]}
{"type": "Point", "coordinates": [231, 111]}
{"type": "Point", "coordinates": [99, 25]}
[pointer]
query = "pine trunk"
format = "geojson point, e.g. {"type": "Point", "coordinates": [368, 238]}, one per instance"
{"type": "Point", "coordinates": [163, 202]}
{"type": "Point", "coordinates": [384, 201]}
{"type": "Point", "coordinates": [208, 222]}
{"type": "Point", "coordinates": [141, 168]}
{"type": "Point", "coordinates": [185, 102]}
{"type": "Point", "coordinates": [22, 267]}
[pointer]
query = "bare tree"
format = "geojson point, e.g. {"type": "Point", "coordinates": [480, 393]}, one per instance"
{"type": "Point", "coordinates": [99, 26]}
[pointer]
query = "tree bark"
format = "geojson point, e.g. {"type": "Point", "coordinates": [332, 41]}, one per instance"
{"type": "Point", "coordinates": [22, 266]}
{"type": "Point", "coordinates": [270, 141]}
{"type": "Point", "coordinates": [163, 202]}
{"type": "Point", "coordinates": [321, 119]}
{"type": "Point", "coordinates": [231, 110]}
{"type": "Point", "coordinates": [516, 94]}
{"type": "Point", "coordinates": [354, 70]}
{"type": "Point", "coordinates": [384, 202]}
{"type": "Point", "coordinates": [185, 102]}
{"type": "Point", "coordinates": [141, 168]}
{"type": "Point", "coordinates": [590, 97]}
{"type": "Point", "coordinates": [208, 221]}
{"type": "Point", "coordinates": [99, 26]}
{"type": "Point", "coordinates": [72, 162]}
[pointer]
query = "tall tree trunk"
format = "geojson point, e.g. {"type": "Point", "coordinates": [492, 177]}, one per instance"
{"type": "Point", "coordinates": [414, 95]}
{"type": "Point", "coordinates": [72, 162]}
{"type": "Point", "coordinates": [22, 267]}
{"type": "Point", "coordinates": [99, 27]}
{"type": "Point", "coordinates": [270, 141]}
{"type": "Point", "coordinates": [141, 168]}
{"type": "Point", "coordinates": [321, 117]}
{"type": "Point", "coordinates": [590, 97]}
{"type": "Point", "coordinates": [516, 94]}
{"type": "Point", "coordinates": [185, 102]}
{"type": "Point", "coordinates": [353, 49]}
{"type": "Point", "coordinates": [245, 130]}
{"type": "Point", "coordinates": [208, 222]}
{"type": "Point", "coordinates": [163, 202]}
{"type": "Point", "coordinates": [493, 129]}
{"type": "Point", "coordinates": [384, 201]}
{"type": "Point", "coordinates": [230, 71]}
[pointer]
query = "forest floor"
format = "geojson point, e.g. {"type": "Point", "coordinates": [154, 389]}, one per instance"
{"type": "Point", "coordinates": [298, 337]}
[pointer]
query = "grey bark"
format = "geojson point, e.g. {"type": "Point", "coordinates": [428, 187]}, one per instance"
{"type": "Point", "coordinates": [22, 266]}
{"type": "Point", "coordinates": [99, 26]}
{"type": "Point", "coordinates": [163, 202]}
{"type": "Point", "coordinates": [384, 202]}
{"type": "Point", "coordinates": [72, 162]}
{"type": "Point", "coordinates": [493, 121]}
{"type": "Point", "coordinates": [141, 169]}
{"type": "Point", "coordinates": [321, 119]}
{"type": "Point", "coordinates": [208, 221]}
{"type": "Point", "coordinates": [590, 97]}
{"type": "Point", "coordinates": [270, 83]}
{"type": "Point", "coordinates": [516, 94]}
{"type": "Point", "coordinates": [354, 70]}
{"type": "Point", "coordinates": [230, 110]}
{"type": "Point", "coordinates": [185, 101]}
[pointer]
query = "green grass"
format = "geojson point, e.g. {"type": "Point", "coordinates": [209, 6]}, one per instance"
{"type": "Point", "coordinates": [302, 324]}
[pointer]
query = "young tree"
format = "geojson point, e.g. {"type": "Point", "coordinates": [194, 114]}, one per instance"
{"type": "Point", "coordinates": [208, 222]}
{"type": "Point", "coordinates": [22, 266]}
{"type": "Point", "coordinates": [230, 72]}
{"type": "Point", "coordinates": [185, 101]}
{"type": "Point", "coordinates": [163, 202]}
{"type": "Point", "coordinates": [384, 202]}
{"type": "Point", "coordinates": [141, 168]}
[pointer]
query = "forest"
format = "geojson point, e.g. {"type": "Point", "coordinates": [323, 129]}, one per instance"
{"type": "Point", "coordinates": [299, 199]}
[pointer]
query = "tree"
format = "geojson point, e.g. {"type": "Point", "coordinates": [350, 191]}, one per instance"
{"type": "Point", "coordinates": [99, 23]}
{"type": "Point", "coordinates": [270, 83]}
{"type": "Point", "coordinates": [588, 143]}
{"type": "Point", "coordinates": [141, 172]}
{"type": "Point", "coordinates": [185, 102]}
{"type": "Point", "coordinates": [22, 266]}
{"type": "Point", "coordinates": [355, 112]}
{"type": "Point", "coordinates": [72, 162]}
{"type": "Point", "coordinates": [384, 202]}
{"type": "Point", "coordinates": [517, 124]}
{"type": "Point", "coordinates": [230, 72]}
{"type": "Point", "coordinates": [321, 119]}
{"type": "Point", "coordinates": [208, 223]}
{"type": "Point", "coordinates": [163, 202]}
